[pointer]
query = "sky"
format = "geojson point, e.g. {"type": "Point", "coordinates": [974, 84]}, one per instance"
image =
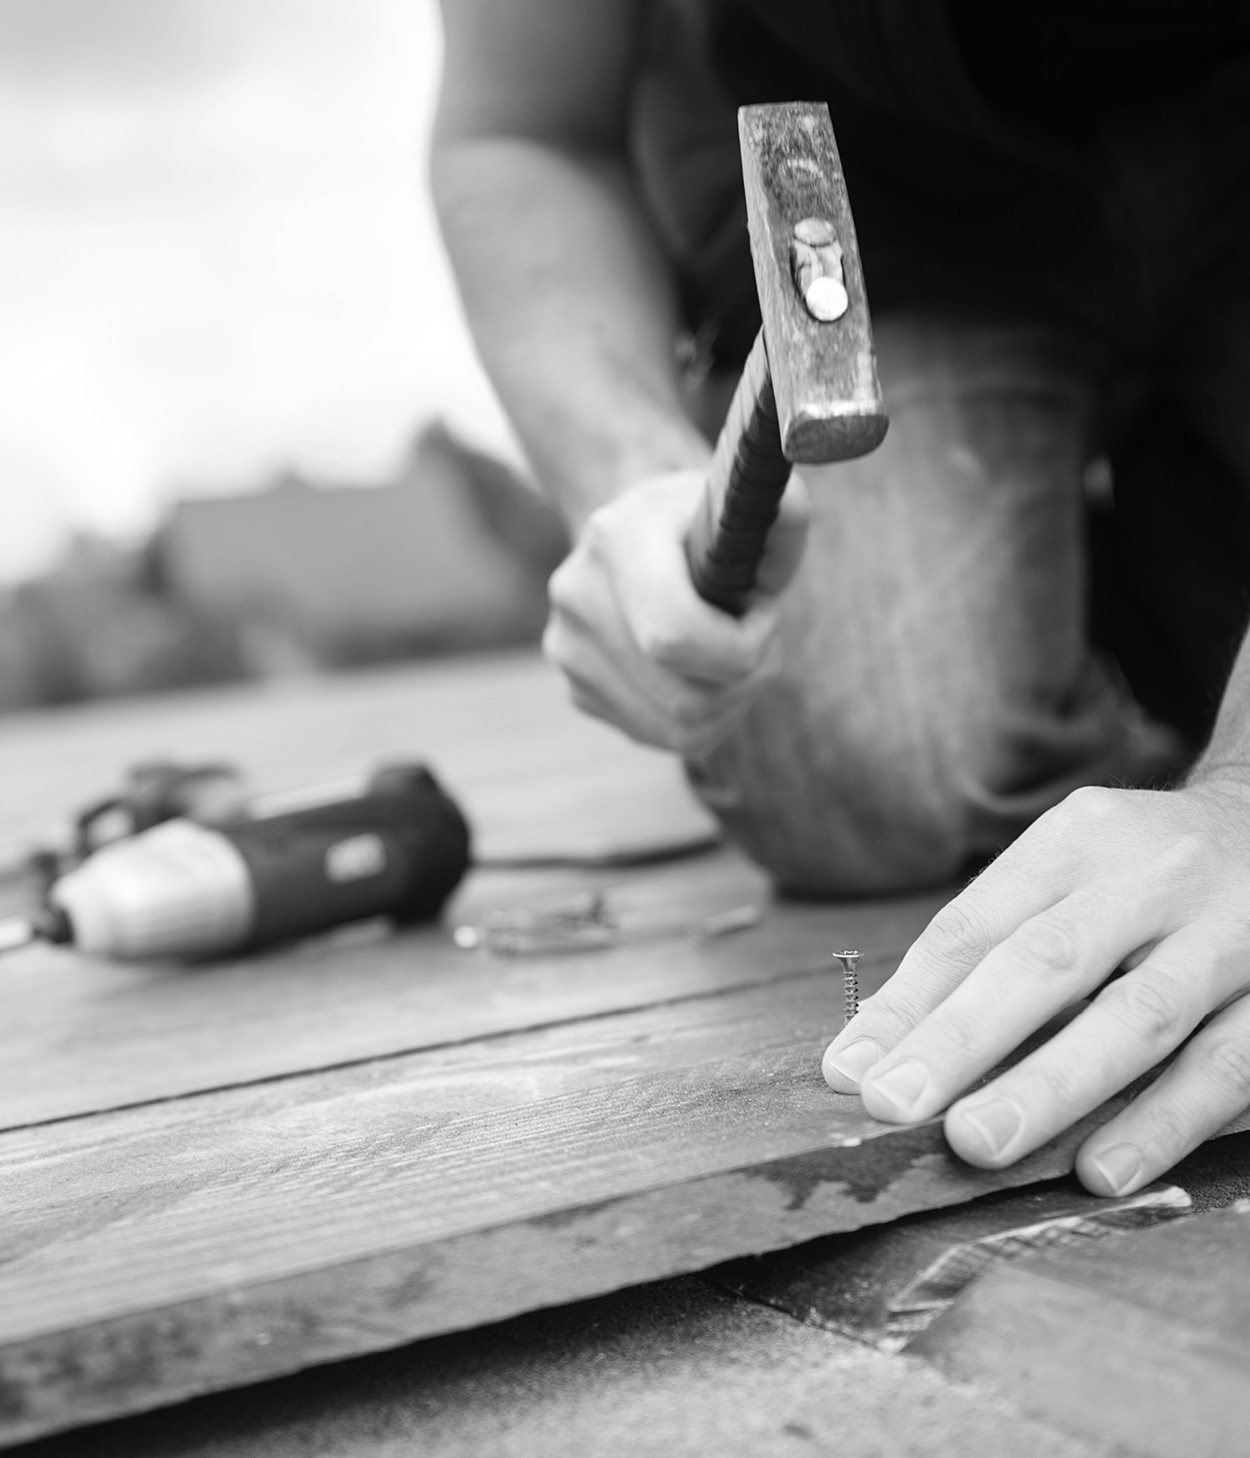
{"type": "Point", "coordinates": [217, 255]}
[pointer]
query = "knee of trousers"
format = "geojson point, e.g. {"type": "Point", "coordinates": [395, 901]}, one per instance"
{"type": "Point", "coordinates": [878, 816]}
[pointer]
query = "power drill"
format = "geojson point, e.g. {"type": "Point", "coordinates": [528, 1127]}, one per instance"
{"type": "Point", "coordinates": [185, 889]}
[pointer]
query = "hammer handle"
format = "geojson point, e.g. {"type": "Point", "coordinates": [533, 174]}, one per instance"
{"type": "Point", "coordinates": [743, 494]}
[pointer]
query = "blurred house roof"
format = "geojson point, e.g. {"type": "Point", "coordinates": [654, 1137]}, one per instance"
{"type": "Point", "coordinates": [453, 551]}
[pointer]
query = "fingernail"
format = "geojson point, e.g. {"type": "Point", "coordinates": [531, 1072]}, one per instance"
{"type": "Point", "coordinates": [855, 1059]}
{"type": "Point", "coordinates": [995, 1122]}
{"type": "Point", "coordinates": [904, 1086]}
{"type": "Point", "coordinates": [1119, 1166]}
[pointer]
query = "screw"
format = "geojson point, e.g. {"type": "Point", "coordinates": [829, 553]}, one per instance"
{"type": "Point", "coordinates": [850, 984]}
{"type": "Point", "coordinates": [817, 266]}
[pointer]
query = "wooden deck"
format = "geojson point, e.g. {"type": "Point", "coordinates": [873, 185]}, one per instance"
{"type": "Point", "coordinates": [218, 1175]}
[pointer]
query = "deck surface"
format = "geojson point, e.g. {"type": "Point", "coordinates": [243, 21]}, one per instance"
{"type": "Point", "coordinates": [217, 1176]}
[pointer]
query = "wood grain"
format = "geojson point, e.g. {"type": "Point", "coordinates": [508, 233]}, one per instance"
{"type": "Point", "coordinates": [531, 772]}
{"type": "Point", "coordinates": [161, 1263]}
{"type": "Point", "coordinates": [81, 1036]}
{"type": "Point", "coordinates": [215, 1175]}
{"type": "Point", "coordinates": [209, 1241]}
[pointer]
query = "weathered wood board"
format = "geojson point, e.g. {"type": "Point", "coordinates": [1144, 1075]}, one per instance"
{"type": "Point", "coordinates": [214, 1175]}
{"type": "Point", "coordinates": [157, 1252]}
{"type": "Point", "coordinates": [80, 1036]}
{"type": "Point", "coordinates": [531, 772]}
{"type": "Point", "coordinates": [1144, 1341]}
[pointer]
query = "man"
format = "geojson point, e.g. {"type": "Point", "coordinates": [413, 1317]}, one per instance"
{"type": "Point", "coordinates": [1053, 205]}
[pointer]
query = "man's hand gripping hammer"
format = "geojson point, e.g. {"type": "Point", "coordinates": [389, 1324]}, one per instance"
{"type": "Point", "coordinates": [809, 392]}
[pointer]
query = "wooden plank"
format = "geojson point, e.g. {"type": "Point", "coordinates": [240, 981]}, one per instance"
{"type": "Point", "coordinates": [212, 1241]}
{"type": "Point", "coordinates": [1144, 1341]}
{"type": "Point", "coordinates": [218, 1175]}
{"type": "Point", "coordinates": [81, 1036]}
{"type": "Point", "coordinates": [676, 1369]}
{"type": "Point", "coordinates": [531, 772]}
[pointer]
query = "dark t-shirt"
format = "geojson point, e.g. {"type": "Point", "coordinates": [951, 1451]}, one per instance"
{"type": "Point", "coordinates": [973, 133]}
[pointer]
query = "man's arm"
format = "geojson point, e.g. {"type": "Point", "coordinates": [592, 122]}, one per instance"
{"type": "Point", "coordinates": [572, 305]}
{"type": "Point", "coordinates": [568, 295]}
{"type": "Point", "coordinates": [1154, 882]}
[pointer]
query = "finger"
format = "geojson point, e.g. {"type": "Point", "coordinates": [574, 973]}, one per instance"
{"type": "Point", "coordinates": [676, 630]}
{"type": "Point", "coordinates": [1044, 965]}
{"type": "Point", "coordinates": [957, 940]}
{"type": "Point", "coordinates": [650, 608]}
{"type": "Point", "coordinates": [1131, 1026]}
{"type": "Point", "coordinates": [1206, 1088]}
{"type": "Point", "coordinates": [651, 705]}
{"type": "Point", "coordinates": [596, 689]}
{"type": "Point", "coordinates": [662, 614]}
{"type": "Point", "coordinates": [787, 541]}
{"type": "Point", "coordinates": [1034, 872]}
{"type": "Point", "coordinates": [649, 728]}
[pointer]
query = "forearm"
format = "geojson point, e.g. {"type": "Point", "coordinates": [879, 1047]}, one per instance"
{"type": "Point", "coordinates": [571, 305]}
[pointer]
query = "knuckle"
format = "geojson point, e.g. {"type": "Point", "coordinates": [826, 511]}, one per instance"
{"type": "Point", "coordinates": [1047, 946]}
{"type": "Point", "coordinates": [1151, 1007]}
{"type": "Point", "coordinates": [1085, 807]}
{"type": "Point", "coordinates": [657, 640]}
{"type": "Point", "coordinates": [1094, 802]}
{"type": "Point", "coordinates": [1227, 1062]}
{"type": "Point", "coordinates": [958, 934]}
{"type": "Point", "coordinates": [1185, 858]}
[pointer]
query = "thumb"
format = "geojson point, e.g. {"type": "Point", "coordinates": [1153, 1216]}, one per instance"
{"type": "Point", "coordinates": [788, 538]}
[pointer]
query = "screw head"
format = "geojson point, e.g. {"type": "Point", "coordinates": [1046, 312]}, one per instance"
{"type": "Point", "coordinates": [815, 232]}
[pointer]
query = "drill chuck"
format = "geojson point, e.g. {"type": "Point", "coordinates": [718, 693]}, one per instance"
{"type": "Point", "coordinates": [179, 890]}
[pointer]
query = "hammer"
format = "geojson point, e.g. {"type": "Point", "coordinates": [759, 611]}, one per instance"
{"type": "Point", "coordinates": [809, 392]}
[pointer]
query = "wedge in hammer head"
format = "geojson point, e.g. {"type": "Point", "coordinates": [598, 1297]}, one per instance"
{"type": "Point", "coordinates": [809, 392]}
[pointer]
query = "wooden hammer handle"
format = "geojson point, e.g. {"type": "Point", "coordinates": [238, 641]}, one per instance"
{"type": "Point", "coordinates": [743, 494]}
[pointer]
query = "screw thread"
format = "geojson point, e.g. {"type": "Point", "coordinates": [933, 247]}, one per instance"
{"type": "Point", "coordinates": [850, 984]}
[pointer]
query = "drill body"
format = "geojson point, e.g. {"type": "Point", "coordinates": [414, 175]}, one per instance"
{"type": "Point", "coordinates": [189, 890]}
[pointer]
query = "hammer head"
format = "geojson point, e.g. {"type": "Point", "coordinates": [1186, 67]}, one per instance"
{"type": "Point", "coordinates": [811, 287]}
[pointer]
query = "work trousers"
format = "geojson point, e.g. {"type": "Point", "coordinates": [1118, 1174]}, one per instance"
{"type": "Point", "coordinates": [1040, 579]}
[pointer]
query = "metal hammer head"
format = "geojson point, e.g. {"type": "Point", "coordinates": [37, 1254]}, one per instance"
{"type": "Point", "coordinates": [811, 287]}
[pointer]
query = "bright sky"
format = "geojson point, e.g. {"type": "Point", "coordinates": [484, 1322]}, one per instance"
{"type": "Point", "coordinates": [216, 254]}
